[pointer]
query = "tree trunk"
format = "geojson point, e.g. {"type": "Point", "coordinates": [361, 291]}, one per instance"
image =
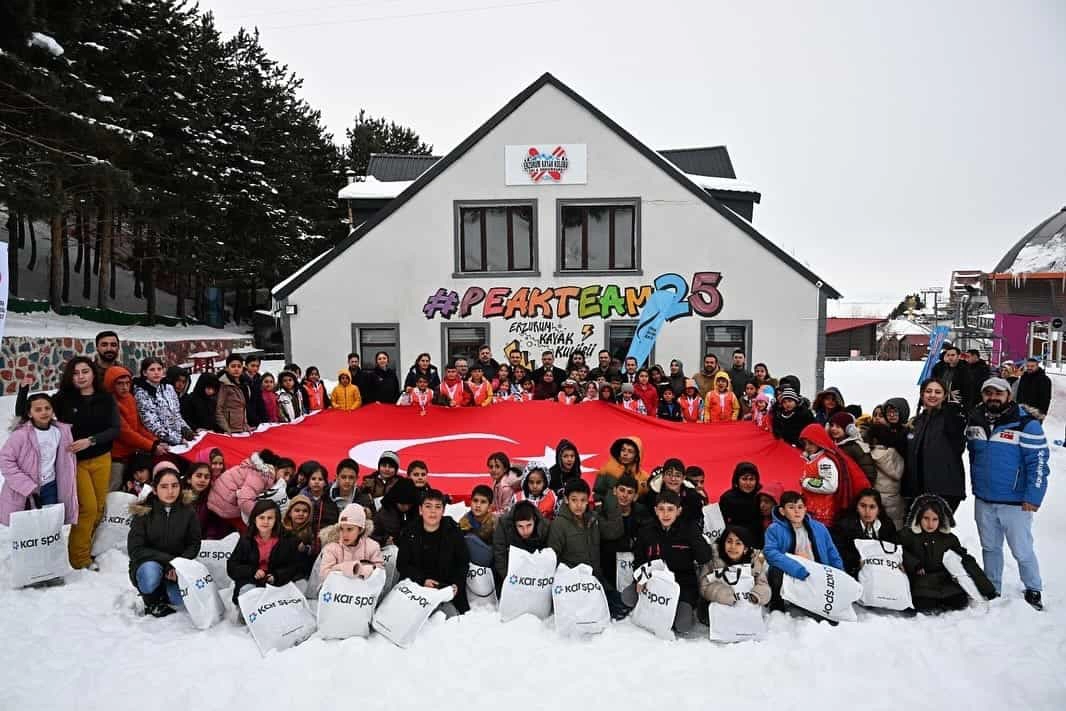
{"type": "Point", "coordinates": [33, 246]}
{"type": "Point", "coordinates": [14, 234]}
{"type": "Point", "coordinates": [66, 267]}
{"type": "Point", "coordinates": [179, 294]}
{"type": "Point", "coordinates": [79, 231]}
{"type": "Point", "coordinates": [149, 274]}
{"type": "Point", "coordinates": [105, 227]}
{"type": "Point", "coordinates": [116, 229]}
{"type": "Point", "coordinates": [237, 303]}
{"type": "Point", "coordinates": [138, 261]}
{"type": "Point", "coordinates": [98, 236]}
{"type": "Point", "coordinates": [55, 263]}
{"type": "Point", "coordinates": [22, 231]}
{"type": "Point", "coordinates": [87, 262]}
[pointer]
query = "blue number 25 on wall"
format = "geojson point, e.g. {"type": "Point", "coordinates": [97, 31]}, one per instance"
{"type": "Point", "coordinates": [671, 300]}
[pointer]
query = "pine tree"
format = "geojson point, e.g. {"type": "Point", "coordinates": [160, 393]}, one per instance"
{"type": "Point", "coordinates": [378, 135]}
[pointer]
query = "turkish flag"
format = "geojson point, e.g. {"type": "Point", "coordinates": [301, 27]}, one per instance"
{"type": "Point", "coordinates": [455, 442]}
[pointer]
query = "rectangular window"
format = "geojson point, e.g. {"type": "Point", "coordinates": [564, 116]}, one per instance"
{"type": "Point", "coordinates": [619, 336]}
{"type": "Point", "coordinates": [495, 237]}
{"type": "Point", "coordinates": [368, 339]}
{"type": "Point", "coordinates": [462, 341]}
{"type": "Point", "coordinates": [723, 337]}
{"type": "Point", "coordinates": [599, 237]}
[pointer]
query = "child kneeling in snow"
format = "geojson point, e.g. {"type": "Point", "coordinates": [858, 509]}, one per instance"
{"type": "Point", "coordinates": [347, 546]}
{"type": "Point", "coordinates": [734, 548]}
{"type": "Point", "coordinates": [925, 540]}
{"type": "Point", "coordinates": [793, 531]}
{"type": "Point", "coordinates": [478, 524]}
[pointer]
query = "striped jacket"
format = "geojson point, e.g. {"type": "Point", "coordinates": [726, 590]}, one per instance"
{"type": "Point", "coordinates": [1008, 461]}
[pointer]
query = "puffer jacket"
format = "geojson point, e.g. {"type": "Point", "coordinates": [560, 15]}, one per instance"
{"type": "Point", "coordinates": [830, 478]}
{"type": "Point", "coordinates": [715, 585]}
{"type": "Point", "coordinates": [359, 560]}
{"type": "Point", "coordinates": [505, 535]}
{"type": "Point", "coordinates": [740, 509]}
{"type": "Point", "coordinates": [557, 476]}
{"type": "Point", "coordinates": [576, 542]}
{"type": "Point", "coordinates": [1008, 461]}
{"type": "Point", "coordinates": [713, 409]}
{"type": "Point", "coordinates": [691, 501]}
{"type": "Point", "coordinates": [934, 454]}
{"type": "Point", "coordinates": [160, 410]}
{"type": "Point", "coordinates": [285, 564]}
{"type": "Point", "coordinates": [850, 529]}
{"type": "Point", "coordinates": [234, 493]}
{"type": "Point", "coordinates": [231, 407]}
{"type": "Point", "coordinates": [503, 492]}
{"type": "Point", "coordinates": [439, 555]}
{"type": "Point", "coordinates": [925, 552]}
{"type": "Point", "coordinates": [889, 473]}
{"type": "Point", "coordinates": [897, 434]}
{"type": "Point", "coordinates": [854, 448]}
{"type": "Point", "coordinates": [787, 426]}
{"type": "Point", "coordinates": [20, 462]}
{"type": "Point", "coordinates": [133, 436]}
{"type": "Point", "coordinates": [609, 473]}
{"type": "Point", "coordinates": [159, 536]}
{"type": "Point", "coordinates": [346, 397]}
{"type": "Point", "coordinates": [781, 540]}
{"type": "Point", "coordinates": [821, 414]}
{"type": "Point", "coordinates": [682, 547]}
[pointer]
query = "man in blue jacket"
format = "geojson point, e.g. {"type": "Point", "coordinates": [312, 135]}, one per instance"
{"type": "Point", "coordinates": [1009, 471]}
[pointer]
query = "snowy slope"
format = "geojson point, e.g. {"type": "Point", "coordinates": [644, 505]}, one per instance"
{"type": "Point", "coordinates": [83, 641]}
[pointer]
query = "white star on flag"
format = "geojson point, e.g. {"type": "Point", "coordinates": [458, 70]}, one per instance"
{"type": "Point", "coordinates": [548, 459]}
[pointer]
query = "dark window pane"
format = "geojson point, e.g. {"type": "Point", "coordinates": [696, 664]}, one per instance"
{"type": "Point", "coordinates": [496, 238]}
{"type": "Point", "coordinates": [464, 341]}
{"type": "Point", "coordinates": [372, 340]}
{"type": "Point", "coordinates": [572, 219]}
{"type": "Point", "coordinates": [623, 238]}
{"type": "Point", "coordinates": [720, 338]}
{"type": "Point", "coordinates": [471, 238]}
{"type": "Point", "coordinates": [522, 228]}
{"type": "Point", "coordinates": [599, 238]}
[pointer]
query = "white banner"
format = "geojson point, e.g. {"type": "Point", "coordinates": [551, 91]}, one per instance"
{"type": "Point", "coordinates": [546, 164]}
{"type": "Point", "coordinates": [3, 286]}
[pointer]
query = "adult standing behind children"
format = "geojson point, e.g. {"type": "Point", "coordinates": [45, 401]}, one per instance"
{"type": "Point", "coordinates": [158, 405]}
{"type": "Point", "coordinates": [231, 407]}
{"type": "Point", "coordinates": [934, 448]}
{"type": "Point", "coordinates": [382, 383]}
{"type": "Point", "coordinates": [1009, 471]}
{"type": "Point", "coordinates": [133, 436]}
{"type": "Point", "coordinates": [82, 403]}
{"type": "Point", "coordinates": [107, 351]}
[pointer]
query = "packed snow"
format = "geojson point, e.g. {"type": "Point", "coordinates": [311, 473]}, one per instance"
{"type": "Point", "coordinates": [48, 324]}
{"type": "Point", "coordinates": [39, 39]}
{"type": "Point", "coordinates": [84, 641]}
{"type": "Point", "coordinates": [1046, 256]}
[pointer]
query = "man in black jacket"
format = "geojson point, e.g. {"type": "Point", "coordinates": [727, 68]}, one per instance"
{"type": "Point", "coordinates": [1034, 389]}
{"type": "Point", "coordinates": [957, 377]}
{"type": "Point", "coordinates": [253, 381]}
{"type": "Point", "coordinates": [547, 359]}
{"type": "Point", "coordinates": [979, 369]}
{"type": "Point", "coordinates": [433, 554]}
{"type": "Point", "coordinates": [681, 546]}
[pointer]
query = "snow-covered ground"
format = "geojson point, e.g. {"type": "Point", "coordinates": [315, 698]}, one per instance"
{"type": "Point", "coordinates": [82, 644]}
{"type": "Point", "coordinates": [48, 324]}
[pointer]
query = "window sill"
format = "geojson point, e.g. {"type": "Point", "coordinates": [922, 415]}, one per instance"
{"type": "Point", "coordinates": [601, 272]}
{"type": "Point", "coordinates": [505, 275]}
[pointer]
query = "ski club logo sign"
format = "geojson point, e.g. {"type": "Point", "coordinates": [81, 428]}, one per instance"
{"type": "Point", "coordinates": [546, 163]}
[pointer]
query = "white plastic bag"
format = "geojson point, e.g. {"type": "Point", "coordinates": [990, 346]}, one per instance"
{"type": "Point", "coordinates": [113, 531]}
{"type": "Point", "coordinates": [215, 554]}
{"type": "Point", "coordinates": [528, 586]}
{"type": "Point", "coordinates": [278, 494]}
{"type": "Point", "coordinates": [38, 553]}
{"type": "Point", "coordinates": [623, 571]}
{"type": "Point", "coordinates": [405, 609]}
{"type": "Point", "coordinates": [743, 620]}
{"type": "Point", "coordinates": [481, 588]}
{"type": "Point", "coordinates": [314, 580]}
{"type": "Point", "coordinates": [390, 553]}
{"type": "Point", "coordinates": [884, 582]}
{"type": "Point", "coordinates": [713, 522]}
{"type": "Point", "coordinates": [198, 592]}
{"type": "Point", "coordinates": [277, 617]}
{"type": "Point", "coordinates": [953, 564]}
{"type": "Point", "coordinates": [456, 511]}
{"type": "Point", "coordinates": [827, 591]}
{"type": "Point", "coordinates": [346, 605]}
{"type": "Point", "coordinates": [579, 601]}
{"type": "Point", "coordinates": [657, 603]}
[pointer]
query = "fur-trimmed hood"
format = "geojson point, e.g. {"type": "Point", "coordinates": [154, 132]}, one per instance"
{"type": "Point", "coordinates": [924, 503]}
{"type": "Point", "coordinates": [332, 534]}
{"type": "Point", "coordinates": [655, 483]}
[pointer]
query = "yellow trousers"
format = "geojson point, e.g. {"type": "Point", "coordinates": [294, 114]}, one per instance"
{"type": "Point", "coordinates": [94, 478]}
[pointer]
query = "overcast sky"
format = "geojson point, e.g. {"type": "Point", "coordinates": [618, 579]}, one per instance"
{"type": "Point", "coordinates": [892, 141]}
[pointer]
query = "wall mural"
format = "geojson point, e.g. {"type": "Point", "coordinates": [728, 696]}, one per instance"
{"type": "Point", "coordinates": [534, 337]}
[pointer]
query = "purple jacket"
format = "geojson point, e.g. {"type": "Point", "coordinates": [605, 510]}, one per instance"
{"type": "Point", "coordinates": [20, 463]}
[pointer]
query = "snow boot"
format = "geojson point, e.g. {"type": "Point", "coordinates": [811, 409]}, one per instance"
{"type": "Point", "coordinates": [1033, 598]}
{"type": "Point", "coordinates": [156, 605]}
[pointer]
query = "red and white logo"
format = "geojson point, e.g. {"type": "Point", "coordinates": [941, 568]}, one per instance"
{"type": "Point", "coordinates": [537, 165]}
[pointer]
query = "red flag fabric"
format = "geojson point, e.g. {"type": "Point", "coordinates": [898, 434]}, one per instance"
{"type": "Point", "coordinates": [455, 442]}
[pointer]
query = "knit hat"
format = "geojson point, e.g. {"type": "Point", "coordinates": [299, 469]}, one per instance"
{"type": "Point", "coordinates": [353, 515]}
{"type": "Point", "coordinates": [691, 383]}
{"type": "Point", "coordinates": [788, 393]}
{"type": "Point", "coordinates": [842, 420]}
{"type": "Point", "coordinates": [388, 456]}
{"type": "Point", "coordinates": [627, 387]}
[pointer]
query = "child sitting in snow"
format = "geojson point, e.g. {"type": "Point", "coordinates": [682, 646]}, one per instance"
{"type": "Point", "coordinates": [478, 524]}
{"type": "Point", "coordinates": [535, 490]}
{"type": "Point", "coordinates": [925, 540]}
{"type": "Point", "coordinates": [734, 548]}
{"type": "Point", "coordinates": [506, 480]}
{"type": "Point", "coordinates": [347, 546]}
{"type": "Point", "coordinates": [793, 531]}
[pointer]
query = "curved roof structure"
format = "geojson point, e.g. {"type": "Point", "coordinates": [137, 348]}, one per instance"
{"type": "Point", "coordinates": [1041, 251]}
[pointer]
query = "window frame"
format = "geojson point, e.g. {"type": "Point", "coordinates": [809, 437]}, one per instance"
{"type": "Point", "coordinates": [633, 202]}
{"type": "Point", "coordinates": [445, 327]}
{"type": "Point", "coordinates": [357, 342]}
{"type": "Point", "coordinates": [633, 322]}
{"type": "Point", "coordinates": [457, 228]}
{"type": "Point", "coordinates": [726, 359]}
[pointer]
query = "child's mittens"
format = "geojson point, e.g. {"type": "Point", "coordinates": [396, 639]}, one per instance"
{"type": "Point", "coordinates": [642, 575]}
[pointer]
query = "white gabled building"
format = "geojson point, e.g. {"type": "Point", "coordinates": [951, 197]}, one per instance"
{"type": "Point", "coordinates": [548, 228]}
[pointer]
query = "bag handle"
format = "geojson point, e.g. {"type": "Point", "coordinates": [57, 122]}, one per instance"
{"type": "Point", "coordinates": [724, 575]}
{"type": "Point", "coordinates": [886, 551]}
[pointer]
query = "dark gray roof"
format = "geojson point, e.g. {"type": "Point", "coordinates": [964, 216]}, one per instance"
{"type": "Point", "coordinates": [712, 161]}
{"type": "Point", "coordinates": [546, 79]}
{"type": "Point", "coordinates": [392, 166]}
{"type": "Point", "coordinates": [1040, 235]}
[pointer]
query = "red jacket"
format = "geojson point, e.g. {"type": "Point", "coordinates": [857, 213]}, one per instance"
{"type": "Point", "coordinates": [850, 478]}
{"type": "Point", "coordinates": [649, 395]}
{"type": "Point", "coordinates": [456, 393]}
{"type": "Point", "coordinates": [133, 436]}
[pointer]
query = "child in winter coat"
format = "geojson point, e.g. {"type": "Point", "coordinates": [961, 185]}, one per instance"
{"type": "Point", "coordinates": [297, 523]}
{"type": "Point", "coordinates": [290, 403]}
{"type": "Point", "coordinates": [721, 404]}
{"type": "Point", "coordinates": [695, 475]}
{"type": "Point", "coordinates": [478, 524]}
{"type": "Point", "coordinates": [740, 504]}
{"type": "Point", "coordinates": [233, 495]}
{"type": "Point", "coordinates": [691, 403]}
{"type": "Point", "coordinates": [535, 490]}
{"type": "Point", "coordinates": [734, 548]}
{"type": "Point", "coordinates": [268, 394]}
{"type": "Point", "coordinates": [348, 547]}
{"type": "Point", "coordinates": [825, 478]}
{"type": "Point", "coordinates": [845, 434]}
{"type": "Point", "coordinates": [761, 413]}
{"type": "Point", "coordinates": [314, 391]}
{"type": "Point", "coordinates": [567, 466]}
{"type": "Point", "coordinates": [506, 480]}
{"type": "Point", "coordinates": [377, 484]}
{"type": "Point", "coordinates": [768, 500]}
{"type": "Point", "coordinates": [568, 395]}
{"type": "Point", "coordinates": [265, 554]}
{"type": "Point", "coordinates": [630, 401]}
{"type": "Point", "coordinates": [418, 473]}
{"type": "Point", "coordinates": [671, 477]}
{"type": "Point", "coordinates": [669, 409]}
{"type": "Point", "coordinates": [867, 520]}
{"type": "Point", "coordinates": [158, 405]}
{"type": "Point", "coordinates": [925, 540]}
{"type": "Point", "coordinates": [137, 473]}
{"type": "Point", "coordinates": [38, 467]}
{"type": "Point", "coordinates": [522, 527]}
{"type": "Point", "coordinates": [344, 490]}
{"type": "Point", "coordinates": [576, 532]}
{"type": "Point", "coordinates": [626, 453]}
{"type": "Point", "coordinates": [890, 464]}
{"type": "Point", "coordinates": [793, 531]}
{"type": "Point", "coordinates": [324, 510]}
{"type": "Point", "coordinates": [133, 436]}
{"type": "Point", "coordinates": [398, 508]}
{"type": "Point", "coordinates": [197, 489]}
{"type": "Point", "coordinates": [646, 392]}
{"type": "Point", "coordinates": [479, 388]}
{"type": "Point", "coordinates": [346, 395]}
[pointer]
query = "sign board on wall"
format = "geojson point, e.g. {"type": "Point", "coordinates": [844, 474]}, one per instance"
{"type": "Point", "coordinates": [546, 164]}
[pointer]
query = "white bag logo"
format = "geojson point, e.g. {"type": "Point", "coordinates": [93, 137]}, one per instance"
{"type": "Point", "coordinates": [215, 555]}
{"type": "Point", "coordinates": [580, 602]}
{"type": "Point", "coordinates": [657, 603]}
{"type": "Point", "coordinates": [37, 550]}
{"type": "Point", "coordinates": [198, 592]}
{"type": "Point", "coordinates": [827, 591]}
{"type": "Point", "coordinates": [405, 610]}
{"type": "Point", "coordinates": [346, 605]}
{"type": "Point", "coordinates": [623, 571]}
{"type": "Point", "coordinates": [114, 529]}
{"type": "Point", "coordinates": [743, 620]}
{"type": "Point", "coordinates": [481, 587]}
{"type": "Point", "coordinates": [713, 522]}
{"type": "Point", "coordinates": [883, 579]}
{"type": "Point", "coordinates": [528, 587]}
{"type": "Point", "coordinates": [277, 617]}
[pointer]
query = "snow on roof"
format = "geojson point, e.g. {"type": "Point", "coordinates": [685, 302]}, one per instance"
{"type": "Point", "coordinates": [282, 284]}
{"type": "Point", "coordinates": [838, 325]}
{"type": "Point", "coordinates": [861, 309]}
{"type": "Point", "coordinates": [372, 188]}
{"type": "Point", "coordinates": [47, 324]}
{"type": "Point", "coordinates": [1049, 256]}
{"type": "Point", "coordinates": [708, 182]}
{"type": "Point", "coordinates": [39, 39]}
{"type": "Point", "coordinates": [901, 327]}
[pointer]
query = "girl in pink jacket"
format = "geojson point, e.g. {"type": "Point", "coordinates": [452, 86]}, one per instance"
{"type": "Point", "coordinates": [506, 480]}
{"type": "Point", "coordinates": [347, 546]}
{"type": "Point", "coordinates": [37, 463]}
{"type": "Point", "coordinates": [233, 494]}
